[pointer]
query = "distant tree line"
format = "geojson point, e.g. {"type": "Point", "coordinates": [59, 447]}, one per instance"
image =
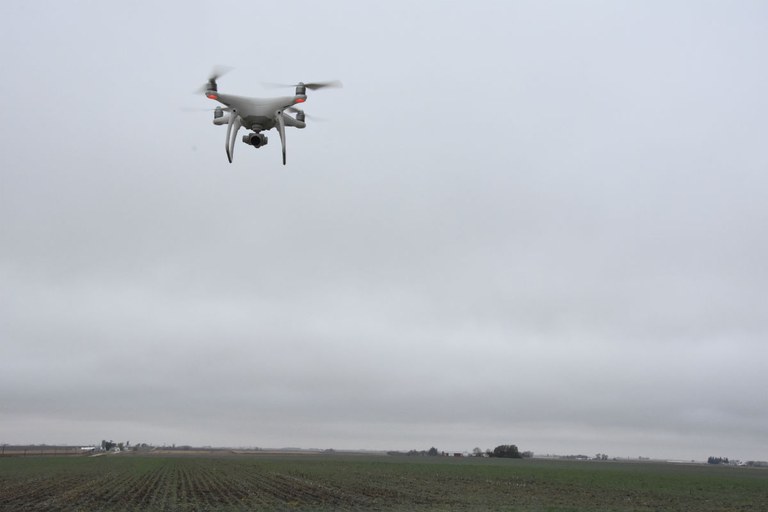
{"type": "Point", "coordinates": [717, 460]}
{"type": "Point", "coordinates": [509, 451]}
{"type": "Point", "coordinates": [432, 452]}
{"type": "Point", "coordinates": [111, 445]}
{"type": "Point", "coordinates": [108, 445]}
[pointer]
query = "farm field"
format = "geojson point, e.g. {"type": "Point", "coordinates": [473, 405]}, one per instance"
{"type": "Point", "coordinates": [212, 482]}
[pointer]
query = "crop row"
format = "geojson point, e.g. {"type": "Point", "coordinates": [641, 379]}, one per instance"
{"type": "Point", "coordinates": [170, 484]}
{"type": "Point", "coordinates": [199, 483]}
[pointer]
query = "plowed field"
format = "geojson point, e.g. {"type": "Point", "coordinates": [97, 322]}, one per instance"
{"type": "Point", "coordinates": [291, 482]}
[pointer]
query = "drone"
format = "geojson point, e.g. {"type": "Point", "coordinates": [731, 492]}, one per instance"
{"type": "Point", "coordinates": [258, 114]}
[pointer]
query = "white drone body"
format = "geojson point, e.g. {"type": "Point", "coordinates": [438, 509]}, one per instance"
{"type": "Point", "coordinates": [257, 114]}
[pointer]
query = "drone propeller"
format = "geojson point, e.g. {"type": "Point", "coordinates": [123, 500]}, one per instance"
{"type": "Point", "coordinates": [332, 84]}
{"type": "Point", "coordinates": [216, 73]}
{"type": "Point", "coordinates": [295, 110]}
{"type": "Point", "coordinates": [194, 109]}
{"type": "Point", "coordinates": [312, 86]}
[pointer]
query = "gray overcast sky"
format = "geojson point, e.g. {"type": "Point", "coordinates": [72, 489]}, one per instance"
{"type": "Point", "coordinates": [540, 223]}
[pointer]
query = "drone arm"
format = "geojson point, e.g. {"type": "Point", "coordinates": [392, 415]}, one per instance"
{"type": "Point", "coordinates": [281, 131]}
{"type": "Point", "coordinates": [222, 120]}
{"type": "Point", "coordinates": [290, 121]}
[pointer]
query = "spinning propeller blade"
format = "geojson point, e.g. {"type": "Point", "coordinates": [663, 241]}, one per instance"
{"type": "Point", "coordinates": [299, 111]}
{"type": "Point", "coordinates": [332, 84]}
{"type": "Point", "coordinates": [216, 73]}
{"type": "Point", "coordinates": [313, 86]}
{"type": "Point", "coordinates": [209, 109]}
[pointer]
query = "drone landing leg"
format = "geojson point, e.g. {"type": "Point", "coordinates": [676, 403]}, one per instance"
{"type": "Point", "coordinates": [229, 144]}
{"type": "Point", "coordinates": [281, 131]}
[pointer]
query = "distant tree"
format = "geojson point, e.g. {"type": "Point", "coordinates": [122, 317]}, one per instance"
{"type": "Point", "coordinates": [508, 451]}
{"type": "Point", "coordinates": [477, 452]}
{"type": "Point", "coordinates": [527, 455]}
{"type": "Point", "coordinates": [717, 460]}
{"type": "Point", "coordinates": [432, 452]}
